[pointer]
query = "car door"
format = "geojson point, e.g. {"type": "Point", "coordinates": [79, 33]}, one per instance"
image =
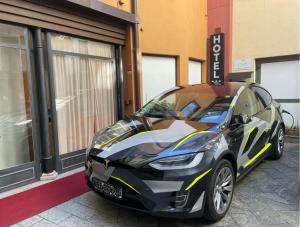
{"type": "Point", "coordinates": [246, 136]}
{"type": "Point", "coordinates": [267, 110]}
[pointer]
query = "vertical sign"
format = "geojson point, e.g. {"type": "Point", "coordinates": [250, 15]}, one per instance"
{"type": "Point", "coordinates": [217, 59]}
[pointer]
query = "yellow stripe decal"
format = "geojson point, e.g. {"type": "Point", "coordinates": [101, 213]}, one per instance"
{"type": "Point", "coordinates": [140, 133]}
{"type": "Point", "coordinates": [257, 155]}
{"type": "Point", "coordinates": [107, 142]}
{"type": "Point", "coordinates": [128, 185]}
{"type": "Point", "coordinates": [98, 146]}
{"type": "Point", "coordinates": [186, 138]}
{"type": "Point", "coordinates": [237, 174]}
{"type": "Point", "coordinates": [112, 139]}
{"type": "Point", "coordinates": [197, 179]}
{"type": "Point", "coordinates": [250, 131]}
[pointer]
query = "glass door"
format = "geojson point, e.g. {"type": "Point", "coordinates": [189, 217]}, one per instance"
{"type": "Point", "coordinates": [16, 146]}
{"type": "Point", "coordinates": [84, 81]}
{"type": "Point", "coordinates": [19, 164]}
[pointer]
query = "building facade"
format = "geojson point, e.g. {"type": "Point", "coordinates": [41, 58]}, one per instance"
{"type": "Point", "coordinates": [261, 45]}
{"type": "Point", "coordinates": [268, 49]}
{"type": "Point", "coordinates": [60, 82]}
{"type": "Point", "coordinates": [69, 68]}
{"type": "Point", "coordinates": [172, 48]}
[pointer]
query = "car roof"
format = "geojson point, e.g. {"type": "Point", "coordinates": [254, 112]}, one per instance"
{"type": "Point", "coordinates": [225, 84]}
{"type": "Point", "coordinates": [228, 88]}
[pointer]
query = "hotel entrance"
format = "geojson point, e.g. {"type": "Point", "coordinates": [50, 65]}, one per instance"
{"type": "Point", "coordinates": [18, 143]}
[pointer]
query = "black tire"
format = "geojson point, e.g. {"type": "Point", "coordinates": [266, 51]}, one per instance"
{"type": "Point", "coordinates": [211, 212]}
{"type": "Point", "coordinates": [277, 144]}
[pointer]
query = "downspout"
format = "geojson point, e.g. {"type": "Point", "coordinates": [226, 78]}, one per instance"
{"type": "Point", "coordinates": [136, 56]}
{"type": "Point", "coordinates": [46, 158]}
{"type": "Point", "coordinates": [120, 82]}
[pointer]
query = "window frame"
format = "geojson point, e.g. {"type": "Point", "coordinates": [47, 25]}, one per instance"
{"type": "Point", "coordinates": [58, 158]}
{"type": "Point", "coordinates": [265, 107]}
{"type": "Point", "coordinates": [33, 166]}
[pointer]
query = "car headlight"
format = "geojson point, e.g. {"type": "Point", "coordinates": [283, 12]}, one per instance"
{"type": "Point", "coordinates": [178, 162]}
{"type": "Point", "coordinates": [212, 144]}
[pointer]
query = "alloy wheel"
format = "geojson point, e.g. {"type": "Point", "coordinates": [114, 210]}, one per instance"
{"type": "Point", "coordinates": [223, 190]}
{"type": "Point", "coordinates": [280, 141]}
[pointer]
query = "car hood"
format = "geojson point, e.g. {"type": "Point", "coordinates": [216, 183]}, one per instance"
{"type": "Point", "coordinates": [138, 140]}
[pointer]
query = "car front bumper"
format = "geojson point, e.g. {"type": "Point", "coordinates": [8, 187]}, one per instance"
{"type": "Point", "coordinates": [160, 193]}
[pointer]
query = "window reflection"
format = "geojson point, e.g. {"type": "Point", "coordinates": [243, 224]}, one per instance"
{"type": "Point", "coordinates": [15, 117]}
{"type": "Point", "coordinates": [85, 90]}
{"type": "Point", "coordinates": [200, 103]}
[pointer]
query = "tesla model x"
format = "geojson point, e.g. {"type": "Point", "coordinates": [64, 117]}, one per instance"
{"type": "Point", "coordinates": [183, 152]}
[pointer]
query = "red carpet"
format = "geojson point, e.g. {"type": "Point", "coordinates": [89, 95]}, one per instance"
{"type": "Point", "coordinates": [23, 205]}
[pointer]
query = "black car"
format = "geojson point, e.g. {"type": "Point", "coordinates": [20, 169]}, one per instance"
{"type": "Point", "coordinates": [183, 152]}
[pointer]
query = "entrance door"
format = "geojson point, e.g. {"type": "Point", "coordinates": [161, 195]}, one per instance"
{"type": "Point", "coordinates": [85, 94]}
{"type": "Point", "coordinates": [17, 154]}
{"type": "Point", "coordinates": [281, 79]}
{"type": "Point", "coordinates": [159, 75]}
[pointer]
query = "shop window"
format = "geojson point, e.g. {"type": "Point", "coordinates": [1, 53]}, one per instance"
{"type": "Point", "coordinates": [85, 90]}
{"type": "Point", "coordinates": [15, 115]}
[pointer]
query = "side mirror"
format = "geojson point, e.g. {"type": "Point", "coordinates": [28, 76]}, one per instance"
{"type": "Point", "coordinates": [244, 118]}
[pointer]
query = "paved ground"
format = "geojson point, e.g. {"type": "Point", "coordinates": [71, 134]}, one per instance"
{"type": "Point", "coordinates": [268, 196]}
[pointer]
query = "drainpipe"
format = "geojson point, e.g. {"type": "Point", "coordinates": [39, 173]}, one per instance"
{"type": "Point", "coordinates": [136, 56]}
{"type": "Point", "coordinates": [46, 158]}
{"type": "Point", "coordinates": [120, 82]}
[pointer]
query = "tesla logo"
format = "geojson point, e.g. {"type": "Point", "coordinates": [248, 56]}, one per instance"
{"type": "Point", "coordinates": [106, 162]}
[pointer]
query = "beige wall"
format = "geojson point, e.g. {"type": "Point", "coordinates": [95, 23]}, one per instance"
{"type": "Point", "coordinates": [176, 28]}
{"type": "Point", "coordinates": [264, 28]}
{"type": "Point", "coordinates": [120, 4]}
{"type": "Point", "coordinates": [167, 27]}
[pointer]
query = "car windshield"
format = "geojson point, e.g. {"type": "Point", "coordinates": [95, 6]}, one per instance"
{"type": "Point", "coordinates": [201, 103]}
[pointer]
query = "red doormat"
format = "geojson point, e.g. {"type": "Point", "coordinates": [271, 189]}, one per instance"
{"type": "Point", "coordinates": [18, 207]}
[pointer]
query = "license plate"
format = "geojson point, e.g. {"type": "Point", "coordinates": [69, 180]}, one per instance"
{"type": "Point", "coordinates": [108, 189]}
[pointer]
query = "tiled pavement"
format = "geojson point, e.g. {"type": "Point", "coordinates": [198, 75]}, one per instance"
{"type": "Point", "coordinates": [268, 196]}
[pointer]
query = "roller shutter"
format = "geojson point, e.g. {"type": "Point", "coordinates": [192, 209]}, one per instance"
{"type": "Point", "coordinates": [159, 75]}
{"type": "Point", "coordinates": [281, 79]}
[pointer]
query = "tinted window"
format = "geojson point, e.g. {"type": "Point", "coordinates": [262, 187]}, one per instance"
{"type": "Point", "coordinates": [190, 108]}
{"type": "Point", "coordinates": [200, 103]}
{"type": "Point", "coordinates": [260, 105]}
{"type": "Point", "coordinates": [246, 104]}
{"type": "Point", "coordinates": [264, 97]}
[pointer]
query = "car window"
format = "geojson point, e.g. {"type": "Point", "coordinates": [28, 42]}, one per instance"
{"type": "Point", "coordinates": [264, 97]}
{"type": "Point", "coordinates": [246, 103]}
{"type": "Point", "coordinates": [260, 105]}
{"type": "Point", "coordinates": [203, 103]}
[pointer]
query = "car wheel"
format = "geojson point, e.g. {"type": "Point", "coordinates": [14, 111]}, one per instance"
{"type": "Point", "coordinates": [278, 144]}
{"type": "Point", "coordinates": [220, 191]}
